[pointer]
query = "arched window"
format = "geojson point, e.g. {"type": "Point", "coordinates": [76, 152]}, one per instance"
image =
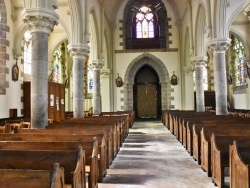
{"type": "Point", "coordinates": [27, 52]}
{"type": "Point", "coordinates": [239, 62]}
{"type": "Point", "coordinates": [145, 23]}
{"type": "Point", "coordinates": [90, 81]}
{"type": "Point", "coordinates": [57, 65]}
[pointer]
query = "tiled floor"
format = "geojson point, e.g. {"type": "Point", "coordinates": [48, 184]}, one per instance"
{"type": "Point", "coordinates": [151, 157]}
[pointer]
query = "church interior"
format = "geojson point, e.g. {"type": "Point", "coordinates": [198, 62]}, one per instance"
{"type": "Point", "coordinates": [113, 67]}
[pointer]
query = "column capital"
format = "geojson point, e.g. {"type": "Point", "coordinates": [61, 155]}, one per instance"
{"type": "Point", "coordinates": [219, 45]}
{"type": "Point", "coordinates": [199, 60]}
{"type": "Point", "coordinates": [78, 50]}
{"type": "Point", "coordinates": [96, 64]}
{"type": "Point", "coordinates": [40, 19]}
{"type": "Point", "coordinates": [105, 72]}
{"type": "Point", "coordinates": [246, 12]}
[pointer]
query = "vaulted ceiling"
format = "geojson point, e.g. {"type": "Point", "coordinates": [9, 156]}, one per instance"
{"type": "Point", "coordinates": [111, 7]}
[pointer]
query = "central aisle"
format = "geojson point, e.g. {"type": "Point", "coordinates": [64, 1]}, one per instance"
{"type": "Point", "coordinates": [151, 157]}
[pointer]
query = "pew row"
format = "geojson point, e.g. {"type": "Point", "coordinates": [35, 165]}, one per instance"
{"type": "Point", "coordinates": [59, 142]}
{"type": "Point", "coordinates": [23, 178]}
{"type": "Point", "coordinates": [72, 162]}
{"type": "Point", "coordinates": [223, 129]}
{"type": "Point", "coordinates": [79, 128]}
{"type": "Point", "coordinates": [94, 125]}
{"type": "Point", "coordinates": [220, 154]}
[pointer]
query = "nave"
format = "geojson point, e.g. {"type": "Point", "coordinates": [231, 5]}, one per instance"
{"type": "Point", "coordinates": [151, 157]}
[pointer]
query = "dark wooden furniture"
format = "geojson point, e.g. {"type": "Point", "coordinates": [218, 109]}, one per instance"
{"type": "Point", "coordinates": [56, 101]}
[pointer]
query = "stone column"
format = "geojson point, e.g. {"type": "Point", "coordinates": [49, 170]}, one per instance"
{"type": "Point", "coordinates": [96, 66]}
{"type": "Point", "coordinates": [40, 25]}
{"type": "Point", "coordinates": [78, 53]}
{"type": "Point", "coordinates": [219, 47]}
{"type": "Point", "coordinates": [105, 90]}
{"type": "Point", "coordinates": [199, 63]}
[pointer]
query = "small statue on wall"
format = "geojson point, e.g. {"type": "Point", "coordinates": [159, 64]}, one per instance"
{"type": "Point", "coordinates": [174, 80]}
{"type": "Point", "coordinates": [15, 72]}
{"type": "Point", "coordinates": [119, 82]}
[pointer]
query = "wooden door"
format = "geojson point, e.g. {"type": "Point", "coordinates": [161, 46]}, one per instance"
{"type": "Point", "coordinates": [147, 101]}
{"type": "Point", "coordinates": [26, 99]}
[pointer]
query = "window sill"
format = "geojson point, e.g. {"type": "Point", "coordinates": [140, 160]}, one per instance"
{"type": "Point", "coordinates": [240, 89]}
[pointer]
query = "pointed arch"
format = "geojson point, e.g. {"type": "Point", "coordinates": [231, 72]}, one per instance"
{"type": "Point", "coordinates": [162, 72]}
{"type": "Point", "coordinates": [200, 25]}
{"type": "Point", "coordinates": [146, 59]}
{"type": "Point", "coordinates": [93, 37]}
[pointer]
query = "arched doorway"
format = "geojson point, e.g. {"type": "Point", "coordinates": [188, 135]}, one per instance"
{"type": "Point", "coordinates": [147, 93]}
{"type": "Point", "coordinates": [129, 80]}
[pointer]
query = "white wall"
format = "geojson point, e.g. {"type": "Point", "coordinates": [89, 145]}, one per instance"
{"type": "Point", "coordinates": [12, 98]}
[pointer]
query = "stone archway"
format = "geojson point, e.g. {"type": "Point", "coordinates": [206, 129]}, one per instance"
{"type": "Point", "coordinates": [161, 70]}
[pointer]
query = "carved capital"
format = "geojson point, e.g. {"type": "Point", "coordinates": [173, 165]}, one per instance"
{"type": "Point", "coordinates": [105, 72]}
{"type": "Point", "coordinates": [78, 50]}
{"type": "Point", "coordinates": [199, 60]}
{"type": "Point", "coordinates": [246, 12]}
{"type": "Point", "coordinates": [219, 45]}
{"type": "Point", "coordinates": [40, 19]}
{"type": "Point", "coordinates": [96, 64]}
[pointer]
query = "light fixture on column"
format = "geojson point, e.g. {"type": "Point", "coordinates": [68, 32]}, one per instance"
{"type": "Point", "coordinates": [118, 81]}
{"type": "Point", "coordinates": [15, 72]}
{"type": "Point", "coordinates": [174, 80]}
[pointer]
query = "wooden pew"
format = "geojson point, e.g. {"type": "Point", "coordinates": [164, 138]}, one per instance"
{"type": "Point", "coordinates": [109, 126]}
{"type": "Point", "coordinates": [58, 142]}
{"type": "Point", "coordinates": [239, 165]}
{"type": "Point", "coordinates": [72, 162]}
{"type": "Point", "coordinates": [92, 129]}
{"type": "Point", "coordinates": [23, 178]}
{"type": "Point", "coordinates": [206, 134]}
{"type": "Point", "coordinates": [63, 134]}
{"type": "Point", "coordinates": [121, 121]}
{"type": "Point", "coordinates": [131, 116]}
{"type": "Point", "coordinates": [90, 148]}
{"type": "Point", "coordinates": [220, 154]}
{"type": "Point", "coordinates": [209, 124]}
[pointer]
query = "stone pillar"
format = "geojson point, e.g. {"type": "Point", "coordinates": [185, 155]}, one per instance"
{"type": "Point", "coordinates": [199, 63]}
{"type": "Point", "coordinates": [105, 90]}
{"type": "Point", "coordinates": [96, 66]}
{"type": "Point", "coordinates": [40, 24]}
{"type": "Point", "coordinates": [219, 47]}
{"type": "Point", "coordinates": [78, 52]}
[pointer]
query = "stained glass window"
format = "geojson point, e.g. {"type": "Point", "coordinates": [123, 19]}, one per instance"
{"type": "Point", "coordinates": [239, 63]}
{"type": "Point", "coordinates": [57, 65]}
{"type": "Point", "coordinates": [27, 52]}
{"type": "Point", "coordinates": [145, 23]}
{"type": "Point", "coordinates": [90, 81]}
